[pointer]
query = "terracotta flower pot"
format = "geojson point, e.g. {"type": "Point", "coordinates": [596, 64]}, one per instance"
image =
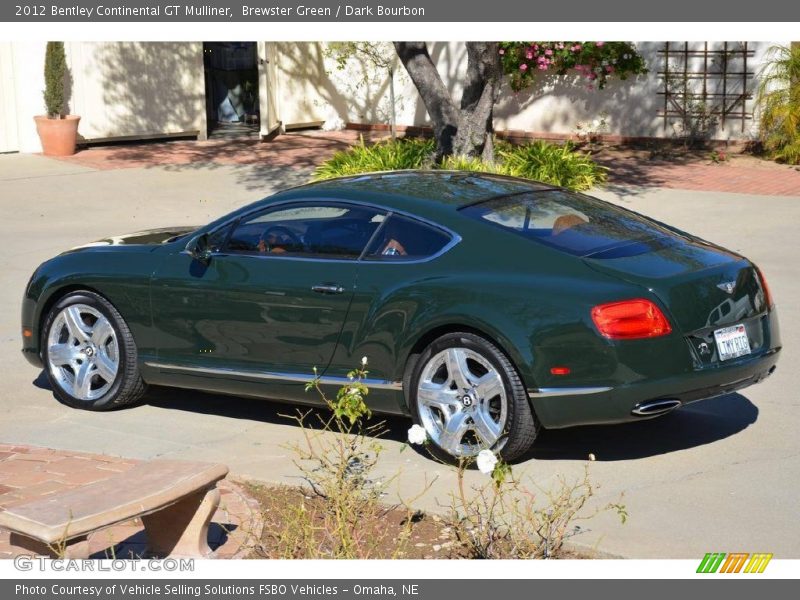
{"type": "Point", "coordinates": [59, 136]}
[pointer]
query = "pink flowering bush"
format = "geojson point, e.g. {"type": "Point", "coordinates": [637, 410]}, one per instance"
{"type": "Point", "coordinates": [595, 61]}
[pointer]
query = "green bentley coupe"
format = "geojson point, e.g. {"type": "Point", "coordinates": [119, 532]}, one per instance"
{"type": "Point", "coordinates": [487, 306]}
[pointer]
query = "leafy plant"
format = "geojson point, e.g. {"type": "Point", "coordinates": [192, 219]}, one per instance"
{"type": "Point", "coordinates": [595, 61]}
{"type": "Point", "coordinates": [55, 72]}
{"type": "Point", "coordinates": [541, 161]}
{"type": "Point", "coordinates": [718, 156]}
{"type": "Point", "coordinates": [779, 101]}
{"type": "Point", "coordinates": [336, 458]}
{"type": "Point", "coordinates": [551, 163]}
{"type": "Point", "coordinates": [383, 156]}
{"type": "Point", "coordinates": [504, 518]}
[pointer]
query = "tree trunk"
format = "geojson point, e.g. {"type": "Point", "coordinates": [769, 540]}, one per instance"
{"type": "Point", "coordinates": [484, 73]}
{"type": "Point", "coordinates": [392, 101]}
{"type": "Point", "coordinates": [465, 129]}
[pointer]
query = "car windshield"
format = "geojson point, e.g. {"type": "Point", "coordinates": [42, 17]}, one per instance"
{"type": "Point", "coordinates": [577, 224]}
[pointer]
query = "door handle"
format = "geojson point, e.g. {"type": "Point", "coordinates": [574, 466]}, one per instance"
{"type": "Point", "coordinates": [327, 288]}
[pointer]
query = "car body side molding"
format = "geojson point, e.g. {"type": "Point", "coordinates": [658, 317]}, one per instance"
{"type": "Point", "coordinates": [274, 376]}
{"type": "Point", "coordinates": [566, 391]}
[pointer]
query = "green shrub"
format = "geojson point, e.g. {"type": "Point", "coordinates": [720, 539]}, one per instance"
{"type": "Point", "coordinates": [383, 156]}
{"type": "Point", "coordinates": [55, 71]}
{"type": "Point", "coordinates": [465, 163]}
{"type": "Point", "coordinates": [541, 161]}
{"type": "Point", "coordinates": [779, 100]}
{"type": "Point", "coordinates": [551, 163]}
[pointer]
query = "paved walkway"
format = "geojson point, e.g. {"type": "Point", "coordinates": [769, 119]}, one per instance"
{"type": "Point", "coordinates": [299, 151]}
{"type": "Point", "coordinates": [757, 177]}
{"type": "Point", "coordinates": [303, 151]}
{"type": "Point", "coordinates": [30, 472]}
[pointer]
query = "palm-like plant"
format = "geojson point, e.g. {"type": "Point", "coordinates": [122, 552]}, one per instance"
{"type": "Point", "coordinates": [779, 101]}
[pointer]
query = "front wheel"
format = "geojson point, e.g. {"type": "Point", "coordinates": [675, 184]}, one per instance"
{"type": "Point", "coordinates": [89, 354]}
{"type": "Point", "coordinates": [468, 396]}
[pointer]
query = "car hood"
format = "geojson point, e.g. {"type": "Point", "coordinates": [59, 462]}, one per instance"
{"type": "Point", "coordinates": [149, 237]}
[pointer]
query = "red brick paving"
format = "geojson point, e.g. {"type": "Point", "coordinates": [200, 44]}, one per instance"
{"type": "Point", "coordinates": [307, 149]}
{"type": "Point", "coordinates": [753, 177]}
{"type": "Point", "coordinates": [29, 472]}
{"type": "Point", "coordinates": [296, 150]}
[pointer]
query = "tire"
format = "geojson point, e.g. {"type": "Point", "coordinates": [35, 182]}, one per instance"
{"type": "Point", "coordinates": [89, 354]}
{"type": "Point", "coordinates": [483, 385]}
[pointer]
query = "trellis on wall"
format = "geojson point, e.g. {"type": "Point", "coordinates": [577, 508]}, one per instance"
{"type": "Point", "coordinates": [705, 85]}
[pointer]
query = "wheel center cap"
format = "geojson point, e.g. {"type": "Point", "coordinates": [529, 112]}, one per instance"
{"type": "Point", "coordinates": [467, 400]}
{"type": "Point", "coordinates": [89, 351]}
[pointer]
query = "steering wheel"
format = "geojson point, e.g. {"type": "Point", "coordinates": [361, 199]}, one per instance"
{"type": "Point", "coordinates": [282, 233]}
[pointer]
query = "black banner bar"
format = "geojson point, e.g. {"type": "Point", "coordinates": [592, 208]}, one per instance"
{"type": "Point", "coordinates": [279, 11]}
{"type": "Point", "coordinates": [354, 589]}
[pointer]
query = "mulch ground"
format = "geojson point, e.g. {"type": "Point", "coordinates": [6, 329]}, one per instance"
{"type": "Point", "coordinates": [430, 535]}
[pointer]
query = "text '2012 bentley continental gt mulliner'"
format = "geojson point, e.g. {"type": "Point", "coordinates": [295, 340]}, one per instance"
{"type": "Point", "coordinates": [488, 307]}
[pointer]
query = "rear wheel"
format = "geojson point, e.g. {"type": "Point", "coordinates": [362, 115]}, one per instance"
{"type": "Point", "coordinates": [89, 354]}
{"type": "Point", "coordinates": [468, 396]}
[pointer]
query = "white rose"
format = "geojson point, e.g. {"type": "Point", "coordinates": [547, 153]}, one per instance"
{"type": "Point", "coordinates": [487, 461]}
{"type": "Point", "coordinates": [417, 435]}
{"type": "Point", "coordinates": [363, 361]}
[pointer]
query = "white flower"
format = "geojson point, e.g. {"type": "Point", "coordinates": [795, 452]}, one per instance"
{"type": "Point", "coordinates": [363, 361]}
{"type": "Point", "coordinates": [597, 122]}
{"type": "Point", "coordinates": [417, 435]}
{"type": "Point", "coordinates": [487, 461]}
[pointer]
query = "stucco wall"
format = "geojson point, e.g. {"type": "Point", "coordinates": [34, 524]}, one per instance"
{"type": "Point", "coordinates": [137, 89]}
{"type": "Point", "coordinates": [8, 102]}
{"type": "Point", "coordinates": [148, 89]}
{"type": "Point", "coordinates": [22, 84]}
{"type": "Point", "coordinates": [118, 89]}
{"type": "Point", "coordinates": [320, 91]}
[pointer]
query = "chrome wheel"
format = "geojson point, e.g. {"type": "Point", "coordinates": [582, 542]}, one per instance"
{"type": "Point", "coordinates": [461, 401]}
{"type": "Point", "coordinates": [83, 352]}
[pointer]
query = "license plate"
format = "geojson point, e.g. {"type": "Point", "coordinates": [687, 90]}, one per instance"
{"type": "Point", "coordinates": [732, 342]}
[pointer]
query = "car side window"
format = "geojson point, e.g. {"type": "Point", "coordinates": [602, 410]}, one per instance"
{"type": "Point", "coordinates": [404, 238]}
{"type": "Point", "coordinates": [216, 239]}
{"type": "Point", "coordinates": [311, 230]}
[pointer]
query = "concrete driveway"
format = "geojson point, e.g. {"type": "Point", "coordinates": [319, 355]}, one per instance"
{"type": "Point", "coordinates": [720, 475]}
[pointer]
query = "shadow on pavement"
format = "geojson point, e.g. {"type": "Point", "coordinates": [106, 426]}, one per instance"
{"type": "Point", "coordinates": [697, 424]}
{"type": "Point", "coordinates": [264, 411]}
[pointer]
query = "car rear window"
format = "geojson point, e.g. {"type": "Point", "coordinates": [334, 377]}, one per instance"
{"type": "Point", "coordinates": [577, 224]}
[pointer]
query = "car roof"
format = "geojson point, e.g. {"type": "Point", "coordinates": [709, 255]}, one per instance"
{"type": "Point", "coordinates": [428, 192]}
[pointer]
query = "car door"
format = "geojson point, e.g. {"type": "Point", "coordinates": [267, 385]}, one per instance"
{"type": "Point", "coordinates": [271, 301]}
{"type": "Point", "coordinates": [398, 265]}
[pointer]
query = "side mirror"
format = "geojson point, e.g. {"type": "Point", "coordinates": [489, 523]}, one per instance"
{"type": "Point", "coordinates": [199, 249]}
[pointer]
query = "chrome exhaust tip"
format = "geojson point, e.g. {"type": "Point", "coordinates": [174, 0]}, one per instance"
{"type": "Point", "coordinates": [655, 407]}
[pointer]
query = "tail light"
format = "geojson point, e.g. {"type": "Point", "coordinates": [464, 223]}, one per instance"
{"type": "Point", "coordinates": [630, 319]}
{"type": "Point", "coordinates": [767, 293]}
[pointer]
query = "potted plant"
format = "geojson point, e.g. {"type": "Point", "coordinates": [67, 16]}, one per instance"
{"type": "Point", "coordinates": [57, 130]}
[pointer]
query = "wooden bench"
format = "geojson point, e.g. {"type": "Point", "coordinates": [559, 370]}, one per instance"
{"type": "Point", "coordinates": [175, 500]}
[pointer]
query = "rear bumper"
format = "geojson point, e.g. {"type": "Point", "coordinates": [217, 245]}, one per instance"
{"type": "Point", "coordinates": [566, 407]}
